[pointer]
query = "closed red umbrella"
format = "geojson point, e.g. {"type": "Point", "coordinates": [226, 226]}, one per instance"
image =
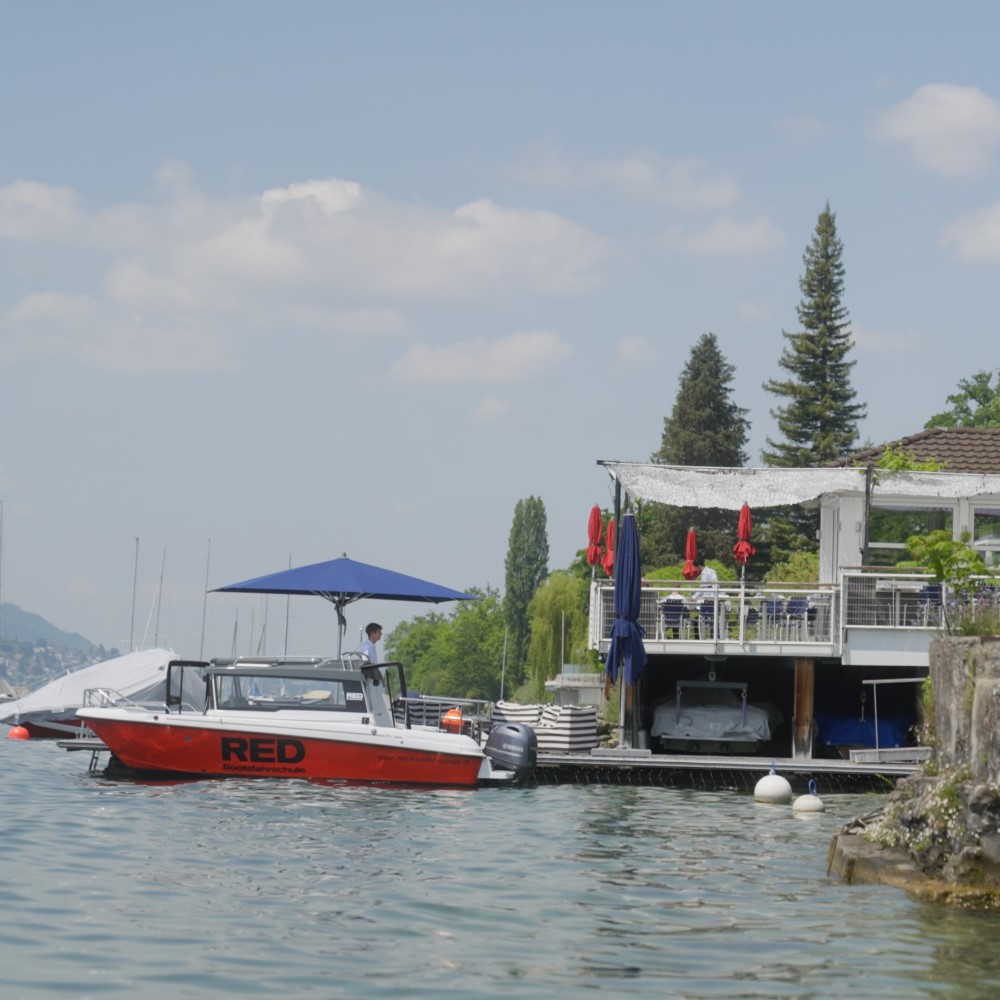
{"type": "Point", "coordinates": [743, 550]}
{"type": "Point", "coordinates": [609, 547]}
{"type": "Point", "coordinates": [594, 528]}
{"type": "Point", "coordinates": [690, 571]}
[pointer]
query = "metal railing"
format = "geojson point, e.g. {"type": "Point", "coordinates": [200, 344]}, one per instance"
{"type": "Point", "coordinates": [792, 613]}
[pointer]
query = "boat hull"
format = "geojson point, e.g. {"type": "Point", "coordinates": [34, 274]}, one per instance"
{"type": "Point", "coordinates": [218, 748]}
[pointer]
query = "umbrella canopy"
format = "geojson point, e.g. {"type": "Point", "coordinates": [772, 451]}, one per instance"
{"type": "Point", "coordinates": [609, 546]}
{"type": "Point", "coordinates": [626, 632]}
{"type": "Point", "coordinates": [343, 581]}
{"type": "Point", "coordinates": [743, 550]}
{"type": "Point", "coordinates": [690, 571]}
{"type": "Point", "coordinates": [594, 528]}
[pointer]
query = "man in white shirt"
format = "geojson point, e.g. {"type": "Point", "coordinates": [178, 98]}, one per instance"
{"type": "Point", "coordinates": [373, 633]}
{"type": "Point", "coordinates": [708, 584]}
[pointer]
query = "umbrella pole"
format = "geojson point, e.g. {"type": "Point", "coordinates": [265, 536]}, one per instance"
{"type": "Point", "coordinates": [743, 605]}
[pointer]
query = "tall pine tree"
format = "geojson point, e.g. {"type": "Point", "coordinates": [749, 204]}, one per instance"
{"type": "Point", "coordinates": [819, 421]}
{"type": "Point", "coordinates": [527, 565]}
{"type": "Point", "coordinates": [705, 427]}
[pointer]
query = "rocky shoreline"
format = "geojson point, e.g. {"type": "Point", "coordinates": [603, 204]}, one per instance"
{"type": "Point", "coordinates": [938, 835]}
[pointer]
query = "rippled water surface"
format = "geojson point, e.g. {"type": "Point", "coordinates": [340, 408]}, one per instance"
{"type": "Point", "coordinates": [243, 888]}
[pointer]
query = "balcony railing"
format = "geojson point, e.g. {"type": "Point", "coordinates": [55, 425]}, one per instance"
{"type": "Point", "coordinates": [802, 614]}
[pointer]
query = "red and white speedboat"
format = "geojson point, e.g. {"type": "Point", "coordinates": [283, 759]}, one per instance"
{"type": "Point", "coordinates": [317, 719]}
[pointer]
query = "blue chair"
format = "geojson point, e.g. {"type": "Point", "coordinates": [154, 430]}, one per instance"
{"type": "Point", "coordinates": [797, 618]}
{"type": "Point", "coordinates": [706, 620]}
{"type": "Point", "coordinates": [676, 618]}
{"type": "Point", "coordinates": [929, 604]}
{"type": "Point", "coordinates": [772, 618]}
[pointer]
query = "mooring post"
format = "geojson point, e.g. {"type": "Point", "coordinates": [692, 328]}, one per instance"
{"type": "Point", "coordinates": [802, 714]}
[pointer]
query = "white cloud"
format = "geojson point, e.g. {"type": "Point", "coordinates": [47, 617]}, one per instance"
{"type": "Point", "coordinates": [976, 236]}
{"type": "Point", "coordinates": [490, 408]}
{"type": "Point", "coordinates": [33, 211]}
{"type": "Point", "coordinates": [681, 183]}
{"type": "Point", "coordinates": [315, 251]}
{"type": "Point", "coordinates": [726, 236]}
{"type": "Point", "coordinates": [949, 129]}
{"type": "Point", "coordinates": [516, 358]}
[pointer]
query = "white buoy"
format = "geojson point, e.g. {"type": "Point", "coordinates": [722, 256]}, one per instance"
{"type": "Point", "coordinates": [810, 803]}
{"type": "Point", "coordinates": [773, 788]}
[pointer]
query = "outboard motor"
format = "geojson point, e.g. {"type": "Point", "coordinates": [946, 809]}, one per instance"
{"type": "Point", "coordinates": [512, 746]}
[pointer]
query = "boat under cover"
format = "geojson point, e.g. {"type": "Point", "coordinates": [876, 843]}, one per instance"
{"type": "Point", "coordinates": [311, 718]}
{"type": "Point", "coordinates": [49, 711]}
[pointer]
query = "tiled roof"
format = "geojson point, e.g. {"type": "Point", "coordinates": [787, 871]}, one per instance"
{"type": "Point", "coordinates": [958, 449]}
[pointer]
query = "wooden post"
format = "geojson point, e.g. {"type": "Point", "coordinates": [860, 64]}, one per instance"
{"type": "Point", "coordinates": [802, 714]}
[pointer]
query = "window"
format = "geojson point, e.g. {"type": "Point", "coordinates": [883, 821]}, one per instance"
{"type": "Point", "coordinates": [986, 533]}
{"type": "Point", "coordinates": [266, 693]}
{"type": "Point", "coordinates": [890, 526]}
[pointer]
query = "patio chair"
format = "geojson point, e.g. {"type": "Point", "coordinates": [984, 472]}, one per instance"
{"type": "Point", "coordinates": [772, 618]}
{"type": "Point", "coordinates": [797, 618]}
{"type": "Point", "coordinates": [706, 619]}
{"type": "Point", "coordinates": [929, 604]}
{"type": "Point", "coordinates": [676, 618]}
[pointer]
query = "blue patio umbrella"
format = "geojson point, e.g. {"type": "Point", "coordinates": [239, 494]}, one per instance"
{"type": "Point", "coordinates": [343, 581]}
{"type": "Point", "coordinates": [626, 632]}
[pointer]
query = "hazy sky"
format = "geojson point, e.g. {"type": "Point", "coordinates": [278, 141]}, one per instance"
{"type": "Point", "coordinates": [312, 278]}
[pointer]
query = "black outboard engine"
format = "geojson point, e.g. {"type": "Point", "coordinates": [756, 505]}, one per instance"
{"type": "Point", "coordinates": [512, 746]}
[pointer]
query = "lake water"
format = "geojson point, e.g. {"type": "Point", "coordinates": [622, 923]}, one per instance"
{"type": "Point", "coordinates": [285, 889]}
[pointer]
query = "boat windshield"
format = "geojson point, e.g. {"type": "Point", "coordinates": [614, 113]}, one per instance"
{"type": "Point", "coordinates": [265, 693]}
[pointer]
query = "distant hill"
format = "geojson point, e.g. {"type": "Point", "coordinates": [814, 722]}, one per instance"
{"type": "Point", "coordinates": [25, 626]}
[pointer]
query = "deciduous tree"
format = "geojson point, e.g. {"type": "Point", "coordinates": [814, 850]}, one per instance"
{"type": "Point", "coordinates": [976, 404]}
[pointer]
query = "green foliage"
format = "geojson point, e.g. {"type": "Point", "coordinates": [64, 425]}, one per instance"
{"type": "Point", "coordinates": [527, 564]}
{"type": "Point", "coordinates": [952, 562]}
{"type": "Point", "coordinates": [676, 572]}
{"type": "Point", "coordinates": [458, 655]}
{"type": "Point", "coordinates": [976, 404]}
{"type": "Point", "coordinates": [901, 460]}
{"type": "Point", "coordinates": [819, 421]}
{"type": "Point", "coordinates": [800, 567]}
{"type": "Point", "coordinates": [559, 621]}
{"type": "Point", "coordinates": [705, 427]}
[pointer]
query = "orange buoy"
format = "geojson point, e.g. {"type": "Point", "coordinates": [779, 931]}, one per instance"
{"type": "Point", "coordinates": [451, 721]}
{"type": "Point", "coordinates": [18, 733]}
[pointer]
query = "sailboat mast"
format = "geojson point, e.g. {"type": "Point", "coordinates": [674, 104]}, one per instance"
{"type": "Point", "coordinates": [159, 598]}
{"type": "Point", "coordinates": [135, 580]}
{"type": "Point", "coordinates": [204, 603]}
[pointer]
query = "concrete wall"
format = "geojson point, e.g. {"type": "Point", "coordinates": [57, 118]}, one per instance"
{"type": "Point", "coordinates": [965, 673]}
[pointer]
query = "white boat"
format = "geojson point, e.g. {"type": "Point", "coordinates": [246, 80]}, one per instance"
{"type": "Point", "coordinates": [50, 711]}
{"type": "Point", "coordinates": [340, 720]}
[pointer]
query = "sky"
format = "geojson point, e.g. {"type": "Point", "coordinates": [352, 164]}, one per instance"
{"type": "Point", "coordinates": [284, 281]}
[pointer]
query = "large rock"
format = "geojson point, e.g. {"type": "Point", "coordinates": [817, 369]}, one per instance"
{"type": "Point", "coordinates": [965, 677]}
{"type": "Point", "coordinates": [943, 825]}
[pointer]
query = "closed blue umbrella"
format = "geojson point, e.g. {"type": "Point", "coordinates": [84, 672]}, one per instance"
{"type": "Point", "coordinates": [626, 633]}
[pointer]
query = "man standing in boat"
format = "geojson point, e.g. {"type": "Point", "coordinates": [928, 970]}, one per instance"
{"type": "Point", "coordinates": [373, 633]}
